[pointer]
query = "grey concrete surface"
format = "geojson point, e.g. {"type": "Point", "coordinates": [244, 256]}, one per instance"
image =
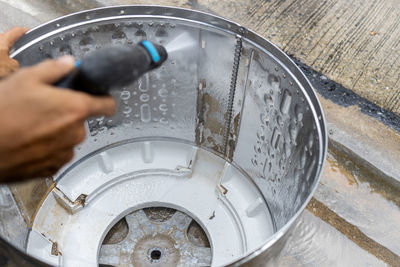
{"type": "Point", "coordinates": [308, 247]}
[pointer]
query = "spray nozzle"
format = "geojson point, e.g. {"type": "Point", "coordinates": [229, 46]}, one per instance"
{"type": "Point", "coordinates": [157, 53]}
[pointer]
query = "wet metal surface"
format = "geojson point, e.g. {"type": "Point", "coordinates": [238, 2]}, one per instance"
{"type": "Point", "coordinates": [157, 237]}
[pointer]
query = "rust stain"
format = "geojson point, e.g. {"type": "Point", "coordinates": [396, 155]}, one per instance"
{"type": "Point", "coordinates": [340, 167]}
{"type": "Point", "coordinates": [223, 188]}
{"type": "Point", "coordinates": [233, 137]}
{"type": "Point", "coordinates": [29, 196]}
{"type": "Point", "coordinates": [333, 166]}
{"type": "Point", "coordinates": [212, 216]}
{"type": "Point", "coordinates": [54, 249]}
{"type": "Point", "coordinates": [81, 200]}
{"type": "Point", "coordinates": [209, 109]}
{"type": "Point", "coordinates": [42, 200]}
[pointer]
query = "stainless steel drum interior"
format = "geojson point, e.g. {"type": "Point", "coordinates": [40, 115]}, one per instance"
{"type": "Point", "coordinates": [208, 161]}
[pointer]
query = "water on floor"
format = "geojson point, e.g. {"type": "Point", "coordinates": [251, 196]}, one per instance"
{"type": "Point", "coordinates": [353, 220]}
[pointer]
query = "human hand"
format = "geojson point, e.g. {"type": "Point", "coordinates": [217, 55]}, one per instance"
{"type": "Point", "coordinates": [7, 40]}
{"type": "Point", "coordinates": [41, 124]}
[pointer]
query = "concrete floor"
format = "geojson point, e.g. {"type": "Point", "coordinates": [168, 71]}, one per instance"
{"type": "Point", "coordinates": [353, 219]}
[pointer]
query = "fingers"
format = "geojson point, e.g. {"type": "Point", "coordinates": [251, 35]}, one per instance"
{"type": "Point", "coordinates": [85, 105]}
{"type": "Point", "coordinates": [44, 148]}
{"type": "Point", "coordinates": [37, 168]}
{"type": "Point", "coordinates": [50, 71]}
{"type": "Point", "coordinates": [45, 168]}
{"type": "Point", "coordinates": [12, 65]}
{"type": "Point", "coordinates": [8, 38]}
{"type": "Point", "coordinates": [99, 106]}
{"type": "Point", "coordinates": [8, 66]}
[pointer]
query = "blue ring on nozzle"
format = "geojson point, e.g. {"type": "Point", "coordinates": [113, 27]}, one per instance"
{"type": "Point", "coordinates": [152, 50]}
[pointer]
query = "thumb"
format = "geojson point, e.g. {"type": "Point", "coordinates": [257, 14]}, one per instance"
{"type": "Point", "coordinates": [8, 38]}
{"type": "Point", "coordinates": [50, 71]}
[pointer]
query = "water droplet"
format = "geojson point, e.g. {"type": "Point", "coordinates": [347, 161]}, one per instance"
{"type": "Point", "coordinates": [143, 83]}
{"type": "Point", "coordinates": [144, 97]}
{"type": "Point", "coordinates": [292, 132]}
{"type": "Point", "coordinates": [274, 81]}
{"type": "Point", "coordinates": [87, 40]}
{"type": "Point", "coordinates": [163, 93]}
{"type": "Point", "coordinates": [145, 113]}
{"type": "Point", "coordinates": [310, 140]}
{"type": "Point", "coordinates": [260, 135]}
{"type": "Point", "coordinates": [279, 120]}
{"type": "Point", "coordinates": [163, 107]}
{"type": "Point", "coordinates": [286, 101]}
{"type": "Point", "coordinates": [303, 159]}
{"type": "Point", "coordinates": [127, 110]}
{"type": "Point", "coordinates": [298, 113]}
{"type": "Point", "coordinates": [125, 95]}
{"type": "Point", "coordinates": [161, 33]}
{"type": "Point", "coordinates": [127, 122]}
{"type": "Point", "coordinates": [264, 118]}
{"type": "Point", "coordinates": [286, 148]}
{"type": "Point", "coordinates": [275, 138]}
{"type": "Point", "coordinates": [141, 33]}
{"type": "Point", "coordinates": [118, 35]}
{"type": "Point", "coordinates": [103, 129]}
{"type": "Point", "coordinates": [164, 120]}
{"type": "Point", "coordinates": [66, 50]}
